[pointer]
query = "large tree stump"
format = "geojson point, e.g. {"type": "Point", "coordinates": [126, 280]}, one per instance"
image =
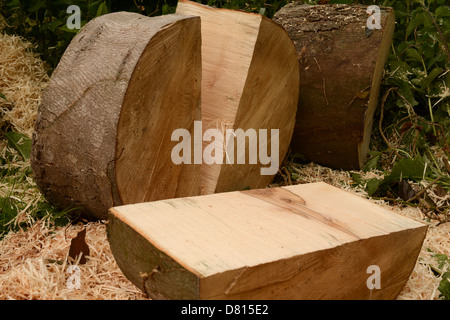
{"type": "Point", "coordinates": [310, 241]}
{"type": "Point", "coordinates": [103, 131]}
{"type": "Point", "coordinates": [250, 81]}
{"type": "Point", "coordinates": [341, 64]}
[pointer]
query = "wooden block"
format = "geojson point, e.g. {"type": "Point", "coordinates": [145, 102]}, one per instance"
{"type": "Point", "coordinates": [341, 66]}
{"type": "Point", "coordinates": [103, 130]}
{"type": "Point", "coordinates": [250, 81]}
{"type": "Point", "coordinates": [311, 241]}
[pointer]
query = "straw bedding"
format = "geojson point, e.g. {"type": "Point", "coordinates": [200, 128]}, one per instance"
{"type": "Point", "coordinates": [34, 262]}
{"type": "Point", "coordinates": [22, 79]}
{"type": "Point", "coordinates": [34, 265]}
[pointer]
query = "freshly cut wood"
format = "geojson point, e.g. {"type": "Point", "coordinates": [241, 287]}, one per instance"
{"type": "Point", "coordinates": [311, 241]}
{"type": "Point", "coordinates": [341, 65]}
{"type": "Point", "coordinates": [250, 81]}
{"type": "Point", "coordinates": [103, 131]}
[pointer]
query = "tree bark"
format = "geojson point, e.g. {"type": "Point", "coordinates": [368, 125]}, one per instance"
{"type": "Point", "coordinates": [341, 64]}
{"type": "Point", "coordinates": [103, 130]}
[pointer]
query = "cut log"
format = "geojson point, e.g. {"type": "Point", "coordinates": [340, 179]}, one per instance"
{"type": "Point", "coordinates": [103, 130]}
{"type": "Point", "coordinates": [250, 81]}
{"type": "Point", "coordinates": [311, 241]}
{"type": "Point", "coordinates": [341, 65]}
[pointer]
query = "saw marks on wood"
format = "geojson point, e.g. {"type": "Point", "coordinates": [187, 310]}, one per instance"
{"type": "Point", "coordinates": [271, 236]}
{"type": "Point", "coordinates": [250, 80]}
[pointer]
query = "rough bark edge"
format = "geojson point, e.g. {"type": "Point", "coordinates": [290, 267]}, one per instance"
{"type": "Point", "coordinates": [148, 267]}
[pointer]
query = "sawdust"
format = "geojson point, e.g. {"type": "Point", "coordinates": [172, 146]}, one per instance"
{"type": "Point", "coordinates": [34, 264]}
{"type": "Point", "coordinates": [23, 77]}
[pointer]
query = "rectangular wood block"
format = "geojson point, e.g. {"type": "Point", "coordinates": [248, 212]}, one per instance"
{"type": "Point", "coordinates": [310, 241]}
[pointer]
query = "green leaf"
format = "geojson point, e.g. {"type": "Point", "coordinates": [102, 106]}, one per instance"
{"type": "Point", "coordinates": [431, 76]}
{"type": "Point", "coordinates": [416, 21]}
{"type": "Point", "coordinates": [411, 169]}
{"type": "Point", "coordinates": [428, 23]}
{"type": "Point", "coordinates": [8, 210]}
{"type": "Point", "coordinates": [407, 169]}
{"type": "Point", "coordinates": [55, 24]}
{"type": "Point", "coordinates": [399, 69]}
{"type": "Point", "coordinates": [66, 29]}
{"type": "Point", "coordinates": [20, 142]}
{"type": "Point", "coordinates": [356, 177]}
{"type": "Point", "coordinates": [443, 11]}
{"type": "Point", "coordinates": [13, 3]}
{"type": "Point", "coordinates": [2, 96]}
{"type": "Point", "coordinates": [31, 22]}
{"type": "Point", "coordinates": [373, 185]}
{"type": "Point", "coordinates": [102, 9]}
{"type": "Point", "coordinates": [413, 55]}
{"type": "Point", "coordinates": [372, 163]}
{"type": "Point", "coordinates": [444, 286]}
{"type": "Point", "coordinates": [35, 6]}
{"type": "Point", "coordinates": [438, 58]}
{"type": "Point", "coordinates": [442, 259]}
{"type": "Point", "coordinates": [405, 89]}
{"type": "Point", "coordinates": [93, 8]}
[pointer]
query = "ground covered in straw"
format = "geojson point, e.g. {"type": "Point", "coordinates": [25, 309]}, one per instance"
{"type": "Point", "coordinates": [34, 261]}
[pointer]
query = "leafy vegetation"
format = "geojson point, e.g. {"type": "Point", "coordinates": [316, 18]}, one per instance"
{"type": "Point", "coordinates": [411, 140]}
{"type": "Point", "coordinates": [19, 205]}
{"type": "Point", "coordinates": [444, 286]}
{"type": "Point", "coordinates": [43, 22]}
{"type": "Point", "coordinates": [443, 264]}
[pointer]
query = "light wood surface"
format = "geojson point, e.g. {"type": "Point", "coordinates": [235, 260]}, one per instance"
{"type": "Point", "coordinates": [310, 241]}
{"type": "Point", "coordinates": [250, 80]}
{"type": "Point", "coordinates": [102, 135]}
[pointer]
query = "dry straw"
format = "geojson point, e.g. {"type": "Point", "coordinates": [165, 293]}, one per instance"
{"type": "Point", "coordinates": [23, 76]}
{"type": "Point", "coordinates": [34, 262]}
{"type": "Point", "coordinates": [34, 265]}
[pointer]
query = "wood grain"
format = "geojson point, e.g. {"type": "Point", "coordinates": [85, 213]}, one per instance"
{"type": "Point", "coordinates": [309, 241]}
{"type": "Point", "coordinates": [250, 80]}
{"type": "Point", "coordinates": [341, 65]}
{"type": "Point", "coordinates": [124, 81]}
